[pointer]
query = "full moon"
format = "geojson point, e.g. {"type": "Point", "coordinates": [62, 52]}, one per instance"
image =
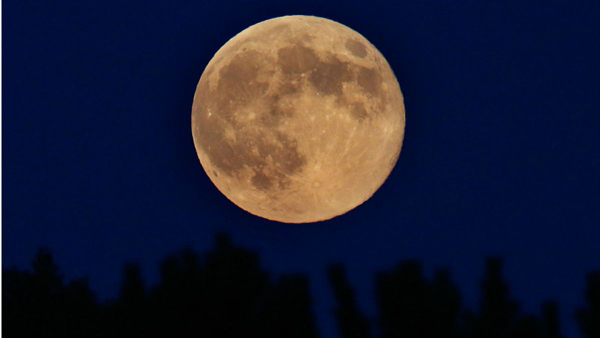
{"type": "Point", "coordinates": [298, 119]}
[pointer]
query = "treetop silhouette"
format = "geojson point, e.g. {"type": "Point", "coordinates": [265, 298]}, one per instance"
{"type": "Point", "coordinates": [226, 293]}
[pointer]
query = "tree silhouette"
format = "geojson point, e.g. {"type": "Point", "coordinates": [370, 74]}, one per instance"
{"type": "Point", "coordinates": [40, 305]}
{"type": "Point", "coordinates": [551, 323]}
{"type": "Point", "coordinates": [411, 306]}
{"type": "Point", "coordinates": [287, 310]}
{"type": "Point", "coordinates": [178, 302]}
{"type": "Point", "coordinates": [226, 293]}
{"type": "Point", "coordinates": [351, 323]}
{"type": "Point", "coordinates": [129, 314]}
{"type": "Point", "coordinates": [235, 283]}
{"type": "Point", "coordinates": [405, 304]}
{"type": "Point", "coordinates": [20, 313]}
{"type": "Point", "coordinates": [589, 318]}
{"type": "Point", "coordinates": [498, 312]}
{"type": "Point", "coordinates": [526, 327]}
{"type": "Point", "coordinates": [47, 281]}
{"type": "Point", "coordinates": [446, 306]}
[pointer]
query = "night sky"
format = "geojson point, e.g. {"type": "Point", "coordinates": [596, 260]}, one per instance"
{"type": "Point", "coordinates": [500, 157]}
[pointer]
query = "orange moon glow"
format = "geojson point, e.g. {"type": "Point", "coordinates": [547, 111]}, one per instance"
{"type": "Point", "coordinates": [298, 119]}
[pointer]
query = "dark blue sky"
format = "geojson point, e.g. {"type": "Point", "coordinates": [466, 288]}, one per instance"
{"type": "Point", "coordinates": [501, 152]}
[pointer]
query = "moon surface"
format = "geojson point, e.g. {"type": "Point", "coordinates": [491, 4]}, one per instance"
{"type": "Point", "coordinates": [298, 119]}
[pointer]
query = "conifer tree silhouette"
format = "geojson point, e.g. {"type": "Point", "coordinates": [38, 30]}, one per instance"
{"type": "Point", "coordinates": [550, 320]}
{"type": "Point", "coordinates": [46, 285]}
{"type": "Point", "coordinates": [405, 305]}
{"type": "Point", "coordinates": [498, 312]}
{"type": "Point", "coordinates": [40, 305]}
{"type": "Point", "coordinates": [446, 305]}
{"type": "Point", "coordinates": [235, 283]}
{"type": "Point", "coordinates": [527, 327]}
{"type": "Point", "coordinates": [80, 310]}
{"type": "Point", "coordinates": [20, 314]}
{"type": "Point", "coordinates": [130, 312]}
{"type": "Point", "coordinates": [287, 310]}
{"type": "Point", "coordinates": [178, 303]}
{"type": "Point", "coordinates": [226, 293]}
{"type": "Point", "coordinates": [133, 291]}
{"type": "Point", "coordinates": [46, 279]}
{"type": "Point", "coordinates": [350, 321]}
{"type": "Point", "coordinates": [589, 317]}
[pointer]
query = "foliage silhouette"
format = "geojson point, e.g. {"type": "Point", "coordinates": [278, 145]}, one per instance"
{"type": "Point", "coordinates": [226, 293]}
